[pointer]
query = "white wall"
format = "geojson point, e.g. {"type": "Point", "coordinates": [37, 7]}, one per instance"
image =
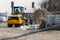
{"type": "Point", "coordinates": [28, 5]}
{"type": "Point", "coordinates": [5, 5]}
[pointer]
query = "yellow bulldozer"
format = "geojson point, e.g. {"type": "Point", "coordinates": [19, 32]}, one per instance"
{"type": "Point", "coordinates": [16, 18]}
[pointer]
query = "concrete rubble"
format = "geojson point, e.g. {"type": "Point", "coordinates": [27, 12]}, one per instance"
{"type": "Point", "coordinates": [25, 27]}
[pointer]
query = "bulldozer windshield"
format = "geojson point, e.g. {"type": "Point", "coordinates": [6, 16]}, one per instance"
{"type": "Point", "coordinates": [18, 10]}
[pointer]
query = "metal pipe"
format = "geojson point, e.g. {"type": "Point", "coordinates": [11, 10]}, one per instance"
{"type": "Point", "coordinates": [12, 6]}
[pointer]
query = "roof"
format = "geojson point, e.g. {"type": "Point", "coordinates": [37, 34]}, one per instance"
{"type": "Point", "coordinates": [18, 6]}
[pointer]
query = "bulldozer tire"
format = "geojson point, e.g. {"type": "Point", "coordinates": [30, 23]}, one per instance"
{"type": "Point", "coordinates": [17, 25]}
{"type": "Point", "coordinates": [31, 21]}
{"type": "Point", "coordinates": [9, 25]}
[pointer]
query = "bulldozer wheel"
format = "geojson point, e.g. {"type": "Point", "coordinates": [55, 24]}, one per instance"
{"type": "Point", "coordinates": [17, 25]}
{"type": "Point", "coordinates": [31, 21]}
{"type": "Point", "coordinates": [9, 25]}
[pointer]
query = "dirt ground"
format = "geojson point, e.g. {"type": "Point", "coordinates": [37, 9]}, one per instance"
{"type": "Point", "coordinates": [11, 32]}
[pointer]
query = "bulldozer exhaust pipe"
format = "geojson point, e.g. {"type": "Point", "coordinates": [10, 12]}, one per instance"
{"type": "Point", "coordinates": [12, 6]}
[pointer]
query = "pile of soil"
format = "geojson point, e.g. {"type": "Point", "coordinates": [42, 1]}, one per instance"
{"type": "Point", "coordinates": [39, 15]}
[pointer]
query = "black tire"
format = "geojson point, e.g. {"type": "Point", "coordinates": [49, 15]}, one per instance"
{"type": "Point", "coordinates": [26, 22]}
{"type": "Point", "coordinates": [17, 25]}
{"type": "Point", "coordinates": [31, 21]}
{"type": "Point", "coordinates": [9, 25]}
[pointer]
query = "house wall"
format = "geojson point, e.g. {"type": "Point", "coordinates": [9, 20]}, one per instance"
{"type": "Point", "coordinates": [5, 5]}
{"type": "Point", "coordinates": [28, 5]}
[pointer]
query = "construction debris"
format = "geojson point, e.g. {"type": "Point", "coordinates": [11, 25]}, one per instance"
{"type": "Point", "coordinates": [25, 27]}
{"type": "Point", "coordinates": [39, 16]}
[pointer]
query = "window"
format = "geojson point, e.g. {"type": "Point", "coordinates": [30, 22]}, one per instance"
{"type": "Point", "coordinates": [32, 4]}
{"type": "Point", "coordinates": [25, 8]}
{"type": "Point", "coordinates": [17, 10]}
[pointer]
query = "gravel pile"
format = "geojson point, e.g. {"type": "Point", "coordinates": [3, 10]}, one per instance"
{"type": "Point", "coordinates": [39, 15]}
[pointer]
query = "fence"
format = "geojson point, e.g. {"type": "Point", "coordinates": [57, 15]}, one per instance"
{"type": "Point", "coordinates": [52, 20]}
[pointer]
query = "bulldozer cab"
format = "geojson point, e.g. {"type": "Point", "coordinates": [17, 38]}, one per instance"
{"type": "Point", "coordinates": [17, 10]}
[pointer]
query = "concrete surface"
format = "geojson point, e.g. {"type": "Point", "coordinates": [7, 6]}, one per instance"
{"type": "Point", "coordinates": [11, 32]}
